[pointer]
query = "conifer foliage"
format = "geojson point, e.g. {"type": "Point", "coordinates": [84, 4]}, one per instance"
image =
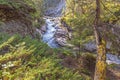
{"type": "Point", "coordinates": [26, 59]}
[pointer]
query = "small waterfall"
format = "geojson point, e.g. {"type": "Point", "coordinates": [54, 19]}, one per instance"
{"type": "Point", "coordinates": [54, 35]}
{"type": "Point", "coordinates": [48, 37]}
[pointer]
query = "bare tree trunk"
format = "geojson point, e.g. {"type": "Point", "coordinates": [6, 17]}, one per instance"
{"type": "Point", "coordinates": [100, 70]}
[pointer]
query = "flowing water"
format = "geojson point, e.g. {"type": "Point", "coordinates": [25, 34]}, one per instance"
{"type": "Point", "coordinates": [48, 36]}
{"type": "Point", "coordinates": [52, 26]}
{"type": "Point", "coordinates": [112, 59]}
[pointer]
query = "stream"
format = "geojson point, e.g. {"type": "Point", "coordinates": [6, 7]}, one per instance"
{"type": "Point", "coordinates": [55, 36]}
{"type": "Point", "coordinates": [48, 36]}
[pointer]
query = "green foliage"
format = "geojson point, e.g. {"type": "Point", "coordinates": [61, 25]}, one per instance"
{"type": "Point", "coordinates": [10, 3]}
{"type": "Point", "coordinates": [81, 15]}
{"type": "Point", "coordinates": [27, 59]}
{"type": "Point", "coordinates": [111, 11]}
{"type": "Point", "coordinates": [28, 12]}
{"type": "Point", "coordinates": [3, 1]}
{"type": "Point", "coordinates": [81, 26]}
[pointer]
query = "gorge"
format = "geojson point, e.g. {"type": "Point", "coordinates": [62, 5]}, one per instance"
{"type": "Point", "coordinates": [55, 34]}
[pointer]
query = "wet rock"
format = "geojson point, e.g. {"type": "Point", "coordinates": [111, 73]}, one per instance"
{"type": "Point", "coordinates": [91, 46]}
{"type": "Point", "coordinates": [61, 41]}
{"type": "Point", "coordinates": [60, 33]}
{"type": "Point", "coordinates": [55, 10]}
{"type": "Point", "coordinates": [112, 59]}
{"type": "Point", "coordinates": [43, 29]}
{"type": "Point", "coordinates": [54, 33]}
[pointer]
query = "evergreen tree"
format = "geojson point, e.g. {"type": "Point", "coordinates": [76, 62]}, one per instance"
{"type": "Point", "coordinates": [100, 70]}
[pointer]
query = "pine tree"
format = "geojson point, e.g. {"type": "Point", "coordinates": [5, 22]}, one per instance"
{"type": "Point", "coordinates": [100, 70]}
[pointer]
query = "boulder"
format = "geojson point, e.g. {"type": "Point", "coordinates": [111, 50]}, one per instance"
{"type": "Point", "coordinates": [91, 46]}
{"type": "Point", "coordinates": [112, 59]}
{"type": "Point", "coordinates": [43, 29]}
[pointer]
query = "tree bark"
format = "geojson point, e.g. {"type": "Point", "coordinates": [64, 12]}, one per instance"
{"type": "Point", "coordinates": [100, 70]}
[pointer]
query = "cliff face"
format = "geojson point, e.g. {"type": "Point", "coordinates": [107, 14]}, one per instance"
{"type": "Point", "coordinates": [17, 17]}
{"type": "Point", "coordinates": [54, 7]}
{"type": "Point", "coordinates": [22, 16]}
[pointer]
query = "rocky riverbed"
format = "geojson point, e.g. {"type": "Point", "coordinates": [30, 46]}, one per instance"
{"type": "Point", "coordinates": [54, 33]}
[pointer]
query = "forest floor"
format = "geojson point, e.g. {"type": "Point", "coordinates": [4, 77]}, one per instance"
{"type": "Point", "coordinates": [86, 66]}
{"type": "Point", "coordinates": [113, 73]}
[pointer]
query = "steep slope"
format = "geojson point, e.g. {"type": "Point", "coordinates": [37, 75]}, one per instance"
{"type": "Point", "coordinates": [18, 17]}
{"type": "Point", "coordinates": [54, 7]}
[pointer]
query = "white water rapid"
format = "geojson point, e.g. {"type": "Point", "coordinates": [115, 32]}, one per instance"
{"type": "Point", "coordinates": [48, 36]}
{"type": "Point", "coordinates": [52, 32]}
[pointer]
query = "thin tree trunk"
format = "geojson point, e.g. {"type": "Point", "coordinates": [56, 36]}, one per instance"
{"type": "Point", "coordinates": [100, 70]}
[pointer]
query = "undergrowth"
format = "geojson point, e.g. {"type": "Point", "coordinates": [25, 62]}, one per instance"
{"type": "Point", "coordinates": [24, 58]}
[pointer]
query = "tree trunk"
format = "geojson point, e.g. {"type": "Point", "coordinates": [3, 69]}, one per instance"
{"type": "Point", "coordinates": [100, 70]}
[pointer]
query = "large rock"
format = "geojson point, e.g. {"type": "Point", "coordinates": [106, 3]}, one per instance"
{"type": "Point", "coordinates": [112, 59]}
{"type": "Point", "coordinates": [43, 29]}
{"type": "Point", "coordinates": [55, 9]}
{"type": "Point", "coordinates": [91, 46]}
